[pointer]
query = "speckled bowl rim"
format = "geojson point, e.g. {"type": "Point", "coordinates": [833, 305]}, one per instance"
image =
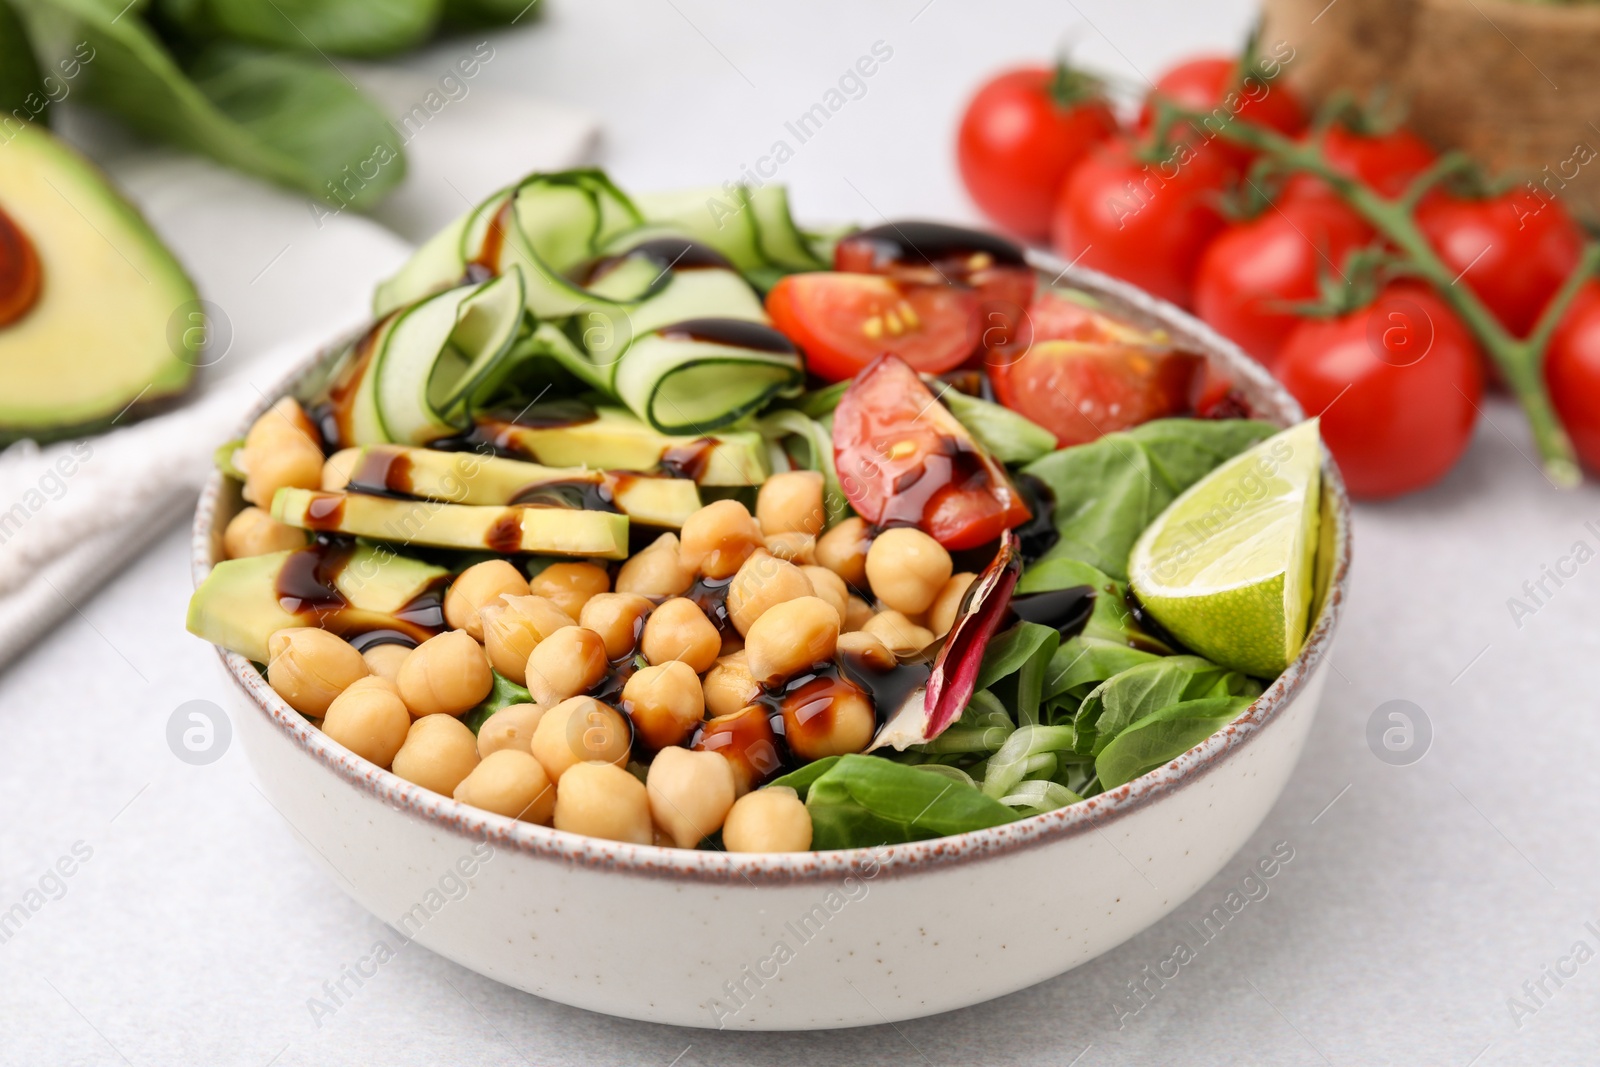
{"type": "Point", "coordinates": [1268, 400]}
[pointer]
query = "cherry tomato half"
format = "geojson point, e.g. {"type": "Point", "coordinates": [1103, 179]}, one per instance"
{"type": "Point", "coordinates": [1145, 222]}
{"type": "Point", "coordinates": [1572, 372]}
{"type": "Point", "coordinates": [1251, 275]}
{"type": "Point", "coordinates": [844, 321]}
{"type": "Point", "coordinates": [904, 460]}
{"type": "Point", "coordinates": [1397, 384]}
{"type": "Point", "coordinates": [1020, 137]}
{"type": "Point", "coordinates": [1514, 250]}
{"type": "Point", "coordinates": [1081, 374]}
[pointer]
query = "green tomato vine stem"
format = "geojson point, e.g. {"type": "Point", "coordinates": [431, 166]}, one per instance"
{"type": "Point", "coordinates": [1521, 360]}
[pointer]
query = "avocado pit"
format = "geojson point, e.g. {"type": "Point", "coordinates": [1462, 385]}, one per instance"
{"type": "Point", "coordinates": [20, 276]}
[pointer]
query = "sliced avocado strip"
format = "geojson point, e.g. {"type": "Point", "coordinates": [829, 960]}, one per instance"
{"type": "Point", "coordinates": [470, 478]}
{"type": "Point", "coordinates": [343, 588]}
{"type": "Point", "coordinates": [616, 440]}
{"type": "Point", "coordinates": [545, 530]}
{"type": "Point", "coordinates": [111, 321]}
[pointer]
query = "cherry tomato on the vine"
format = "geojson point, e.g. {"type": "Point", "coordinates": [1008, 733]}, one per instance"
{"type": "Point", "coordinates": [1514, 250]}
{"type": "Point", "coordinates": [1388, 162]}
{"type": "Point", "coordinates": [1145, 222]}
{"type": "Point", "coordinates": [1251, 275]}
{"type": "Point", "coordinates": [1219, 85]}
{"type": "Point", "coordinates": [1020, 137]}
{"type": "Point", "coordinates": [844, 321]}
{"type": "Point", "coordinates": [1572, 373]}
{"type": "Point", "coordinates": [1397, 384]}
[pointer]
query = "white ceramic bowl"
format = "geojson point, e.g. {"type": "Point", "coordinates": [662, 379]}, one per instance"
{"type": "Point", "coordinates": [807, 940]}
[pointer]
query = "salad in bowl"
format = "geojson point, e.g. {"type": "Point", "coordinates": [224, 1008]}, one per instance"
{"type": "Point", "coordinates": [677, 528]}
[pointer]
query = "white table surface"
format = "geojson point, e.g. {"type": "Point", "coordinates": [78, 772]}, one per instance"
{"type": "Point", "coordinates": [1419, 898]}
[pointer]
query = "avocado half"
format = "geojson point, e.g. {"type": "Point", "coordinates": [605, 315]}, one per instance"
{"type": "Point", "coordinates": [96, 316]}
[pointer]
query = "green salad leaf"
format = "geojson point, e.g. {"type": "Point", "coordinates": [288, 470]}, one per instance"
{"type": "Point", "coordinates": [1163, 735]}
{"type": "Point", "coordinates": [864, 801]}
{"type": "Point", "coordinates": [291, 118]}
{"type": "Point", "coordinates": [1008, 436]}
{"type": "Point", "coordinates": [342, 27]}
{"type": "Point", "coordinates": [504, 694]}
{"type": "Point", "coordinates": [1141, 690]}
{"type": "Point", "coordinates": [1106, 492]}
{"type": "Point", "coordinates": [21, 88]}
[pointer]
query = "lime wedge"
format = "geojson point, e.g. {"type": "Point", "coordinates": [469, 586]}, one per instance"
{"type": "Point", "coordinates": [1227, 568]}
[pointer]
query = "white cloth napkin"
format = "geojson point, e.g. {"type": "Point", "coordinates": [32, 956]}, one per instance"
{"type": "Point", "coordinates": [283, 278]}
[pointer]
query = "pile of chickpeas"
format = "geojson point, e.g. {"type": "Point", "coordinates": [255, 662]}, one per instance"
{"type": "Point", "coordinates": [797, 596]}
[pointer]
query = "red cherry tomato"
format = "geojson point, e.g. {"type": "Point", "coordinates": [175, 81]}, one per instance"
{"type": "Point", "coordinates": [936, 253]}
{"type": "Point", "coordinates": [1145, 222]}
{"type": "Point", "coordinates": [1514, 250]}
{"type": "Point", "coordinates": [1388, 162]}
{"type": "Point", "coordinates": [843, 321]}
{"type": "Point", "coordinates": [1251, 274]}
{"type": "Point", "coordinates": [1081, 374]}
{"type": "Point", "coordinates": [1020, 136]}
{"type": "Point", "coordinates": [1397, 385]}
{"type": "Point", "coordinates": [1216, 84]}
{"type": "Point", "coordinates": [904, 460]}
{"type": "Point", "coordinates": [1572, 372]}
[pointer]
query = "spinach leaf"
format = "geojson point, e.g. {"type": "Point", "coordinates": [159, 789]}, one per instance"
{"type": "Point", "coordinates": [21, 89]}
{"type": "Point", "coordinates": [1082, 663]}
{"type": "Point", "coordinates": [1108, 491]}
{"type": "Point", "coordinates": [1164, 735]}
{"type": "Point", "coordinates": [289, 118]}
{"type": "Point", "coordinates": [504, 693]}
{"type": "Point", "coordinates": [1110, 619]}
{"type": "Point", "coordinates": [343, 27]}
{"type": "Point", "coordinates": [1009, 650]}
{"type": "Point", "coordinates": [1141, 690]}
{"type": "Point", "coordinates": [800, 780]}
{"type": "Point", "coordinates": [863, 801]}
{"type": "Point", "coordinates": [1007, 436]}
{"type": "Point", "coordinates": [469, 13]}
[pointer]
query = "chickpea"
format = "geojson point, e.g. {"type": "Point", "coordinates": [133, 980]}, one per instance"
{"type": "Point", "coordinates": [308, 667]}
{"type": "Point", "coordinates": [280, 450]}
{"type": "Point", "coordinates": [570, 585]}
{"type": "Point", "coordinates": [729, 685]}
{"type": "Point", "coordinates": [369, 719]}
{"type": "Point", "coordinates": [794, 547]}
{"type": "Point", "coordinates": [479, 585]}
{"type": "Point", "coordinates": [439, 751]}
{"type": "Point", "coordinates": [857, 613]}
{"type": "Point", "coordinates": [619, 620]}
{"type": "Point", "coordinates": [690, 794]}
{"type": "Point", "coordinates": [384, 660]}
{"type": "Point", "coordinates": [791, 637]}
{"type": "Point", "coordinates": [603, 800]}
{"type": "Point", "coordinates": [339, 468]}
{"type": "Point", "coordinates": [762, 582]}
{"type": "Point", "coordinates": [864, 647]}
{"type": "Point", "coordinates": [510, 727]}
{"type": "Point", "coordinates": [446, 674]}
{"type": "Point", "coordinates": [678, 629]}
{"type": "Point", "coordinates": [513, 626]}
{"type": "Point", "coordinates": [718, 538]}
{"type": "Point", "coordinates": [657, 571]}
{"type": "Point", "coordinates": [843, 550]}
{"type": "Point", "coordinates": [899, 634]}
{"type": "Point", "coordinates": [947, 605]}
{"type": "Point", "coordinates": [906, 569]}
{"type": "Point", "coordinates": [577, 731]}
{"type": "Point", "coordinates": [830, 587]}
{"type": "Point", "coordinates": [746, 740]}
{"type": "Point", "coordinates": [791, 502]}
{"type": "Point", "coordinates": [510, 783]}
{"type": "Point", "coordinates": [665, 703]}
{"type": "Point", "coordinates": [568, 662]}
{"type": "Point", "coordinates": [833, 719]}
{"type": "Point", "coordinates": [254, 532]}
{"type": "Point", "coordinates": [769, 820]}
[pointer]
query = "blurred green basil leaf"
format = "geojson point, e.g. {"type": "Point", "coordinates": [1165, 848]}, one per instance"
{"type": "Point", "coordinates": [340, 27]}
{"type": "Point", "coordinates": [491, 12]}
{"type": "Point", "coordinates": [21, 89]}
